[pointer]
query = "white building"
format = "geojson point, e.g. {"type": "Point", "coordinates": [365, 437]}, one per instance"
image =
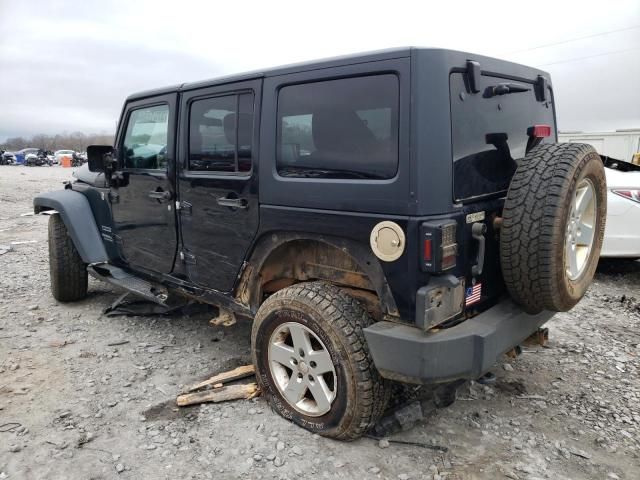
{"type": "Point", "coordinates": [621, 144]}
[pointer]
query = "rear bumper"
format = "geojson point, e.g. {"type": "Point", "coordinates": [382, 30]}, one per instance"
{"type": "Point", "coordinates": [466, 351]}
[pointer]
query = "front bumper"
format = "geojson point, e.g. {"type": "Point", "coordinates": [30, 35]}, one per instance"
{"type": "Point", "coordinates": [466, 351]}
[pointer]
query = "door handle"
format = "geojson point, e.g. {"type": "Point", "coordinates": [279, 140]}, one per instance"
{"type": "Point", "coordinates": [233, 202]}
{"type": "Point", "coordinates": [160, 195]}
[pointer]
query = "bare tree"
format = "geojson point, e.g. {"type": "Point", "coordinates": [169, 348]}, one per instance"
{"type": "Point", "coordinates": [76, 141]}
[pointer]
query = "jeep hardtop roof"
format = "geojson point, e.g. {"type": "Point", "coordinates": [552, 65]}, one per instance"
{"type": "Point", "coordinates": [424, 186]}
{"type": "Point", "coordinates": [452, 56]}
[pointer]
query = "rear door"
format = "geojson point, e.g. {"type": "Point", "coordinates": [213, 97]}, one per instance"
{"type": "Point", "coordinates": [143, 190]}
{"type": "Point", "coordinates": [217, 180]}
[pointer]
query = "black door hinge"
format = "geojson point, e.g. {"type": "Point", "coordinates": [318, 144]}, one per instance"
{"type": "Point", "coordinates": [473, 74]}
{"type": "Point", "coordinates": [542, 84]}
{"type": "Point", "coordinates": [187, 258]}
{"type": "Point", "coordinates": [183, 207]}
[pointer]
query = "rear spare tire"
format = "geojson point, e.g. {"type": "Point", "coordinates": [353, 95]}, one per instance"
{"type": "Point", "coordinates": [312, 360]}
{"type": "Point", "coordinates": [553, 226]}
{"type": "Point", "coordinates": [67, 270]}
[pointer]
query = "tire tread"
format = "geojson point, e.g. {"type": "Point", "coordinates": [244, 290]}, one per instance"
{"type": "Point", "coordinates": [69, 279]}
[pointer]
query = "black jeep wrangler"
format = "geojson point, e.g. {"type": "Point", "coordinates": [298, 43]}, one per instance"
{"type": "Point", "coordinates": [403, 215]}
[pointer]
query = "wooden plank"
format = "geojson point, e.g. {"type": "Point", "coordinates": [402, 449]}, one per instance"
{"type": "Point", "coordinates": [223, 394]}
{"type": "Point", "coordinates": [235, 374]}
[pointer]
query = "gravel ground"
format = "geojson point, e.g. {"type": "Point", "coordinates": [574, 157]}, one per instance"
{"type": "Point", "coordinates": [73, 407]}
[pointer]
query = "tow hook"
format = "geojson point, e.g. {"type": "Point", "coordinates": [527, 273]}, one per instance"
{"type": "Point", "coordinates": [477, 231]}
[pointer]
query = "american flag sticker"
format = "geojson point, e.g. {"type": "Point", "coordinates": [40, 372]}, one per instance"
{"type": "Point", "coordinates": [473, 294]}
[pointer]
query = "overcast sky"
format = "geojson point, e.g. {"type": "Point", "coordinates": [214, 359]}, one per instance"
{"type": "Point", "coordinates": [68, 65]}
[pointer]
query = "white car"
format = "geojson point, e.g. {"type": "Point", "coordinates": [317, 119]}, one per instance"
{"type": "Point", "coordinates": [622, 232]}
{"type": "Point", "coordinates": [62, 153]}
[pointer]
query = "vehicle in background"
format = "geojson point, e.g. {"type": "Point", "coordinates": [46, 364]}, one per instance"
{"type": "Point", "coordinates": [62, 153]}
{"type": "Point", "coordinates": [77, 159]}
{"type": "Point", "coordinates": [38, 159]}
{"type": "Point", "coordinates": [52, 158]}
{"type": "Point", "coordinates": [621, 144]}
{"type": "Point", "coordinates": [622, 231]}
{"type": "Point", "coordinates": [7, 158]}
{"type": "Point", "coordinates": [21, 155]}
{"type": "Point", "coordinates": [618, 150]}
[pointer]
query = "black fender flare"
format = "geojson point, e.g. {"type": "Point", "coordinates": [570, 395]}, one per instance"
{"type": "Point", "coordinates": [75, 211]}
{"type": "Point", "coordinates": [269, 241]}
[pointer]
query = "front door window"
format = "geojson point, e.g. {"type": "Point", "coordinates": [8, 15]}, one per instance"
{"type": "Point", "coordinates": [145, 142]}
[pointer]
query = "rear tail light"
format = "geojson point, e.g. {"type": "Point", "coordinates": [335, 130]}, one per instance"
{"type": "Point", "coordinates": [539, 131]}
{"type": "Point", "coordinates": [633, 195]}
{"type": "Point", "coordinates": [536, 134]}
{"type": "Point", "coordinates": [439, 245]}
{"type": "Point", "coordinates": [428, 250]}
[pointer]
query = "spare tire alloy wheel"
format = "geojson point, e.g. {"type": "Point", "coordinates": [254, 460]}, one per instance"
{"type": "Point", "coordinates": [312, 361]}
{"type": "Point", "coordinates": [580, 229]}
{"type": "Point", "coordinates": [553, 226]}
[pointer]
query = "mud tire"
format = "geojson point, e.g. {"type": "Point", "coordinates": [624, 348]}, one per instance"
{"type": "Point", "coordinates": [68, 272]}
{"type": "Point", "coordinates": [337, 319]}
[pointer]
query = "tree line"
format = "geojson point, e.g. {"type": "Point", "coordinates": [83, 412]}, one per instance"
{"type": "Point", "coordinates": [76, 141]}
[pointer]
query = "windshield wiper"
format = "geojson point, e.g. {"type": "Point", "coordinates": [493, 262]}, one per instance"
{"type": "Point", "coordinates": [504, 89]}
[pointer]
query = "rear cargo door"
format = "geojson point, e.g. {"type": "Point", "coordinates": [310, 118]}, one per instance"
{"type": "Point", "coordinates": [489, 129]}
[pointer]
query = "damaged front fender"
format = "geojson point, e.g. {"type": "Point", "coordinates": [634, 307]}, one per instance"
{"type": "Point", "coordinates": [75, 211]}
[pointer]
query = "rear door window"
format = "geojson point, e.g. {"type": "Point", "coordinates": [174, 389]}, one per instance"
{"type": "Point", "coordinates": [220, 134]}
{"type": "Point", "coordinates": [345, 128]}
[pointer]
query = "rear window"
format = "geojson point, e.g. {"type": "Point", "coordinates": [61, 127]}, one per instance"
{"type": "Point", "coordinates": [346, 128]}
{"type": "Point", "coordinates": [489, 134]}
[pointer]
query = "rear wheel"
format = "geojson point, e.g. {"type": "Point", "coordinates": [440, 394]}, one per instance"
{"type": "Point", "coordinates": [68, 272]}
{"type": "Point", "coordinates": [553, 226]}
{"type": "Point", "coordinates": [312, 360]}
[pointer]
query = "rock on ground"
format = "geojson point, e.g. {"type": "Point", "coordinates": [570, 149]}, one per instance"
{"type": "Point", "coordinates": [77, 408]}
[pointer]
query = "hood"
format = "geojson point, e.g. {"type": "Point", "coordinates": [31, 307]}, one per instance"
{"type": "Point", "coordinates": [83, 174]}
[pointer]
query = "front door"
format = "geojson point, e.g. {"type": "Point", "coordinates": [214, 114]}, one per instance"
{"type": "Point", "coordinates": [217, 181]}
{"type": "Point", "coordinates": [143, 191]}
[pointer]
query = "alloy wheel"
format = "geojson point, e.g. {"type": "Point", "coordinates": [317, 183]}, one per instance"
{"type": "Point", "coordinates": [302, 369]}
{"type": "Point", "coordinates": [580, 229]}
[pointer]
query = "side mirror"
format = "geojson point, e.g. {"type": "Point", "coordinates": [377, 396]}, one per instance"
{"type": "Point", "coordinates": [101, 158]}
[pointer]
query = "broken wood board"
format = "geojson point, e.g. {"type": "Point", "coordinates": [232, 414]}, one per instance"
{"type": "Point", "coordinates": [222, 394]}
{"type": "Point", "coordinates": [224, 318]}
{"type": "Point", "coordinates": [229, 376]}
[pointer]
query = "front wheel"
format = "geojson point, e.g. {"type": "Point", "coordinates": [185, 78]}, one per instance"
{"type": "Point", "coordinates": [313, 363]}
{"type": "Point", "coordinates": [68, 272]}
